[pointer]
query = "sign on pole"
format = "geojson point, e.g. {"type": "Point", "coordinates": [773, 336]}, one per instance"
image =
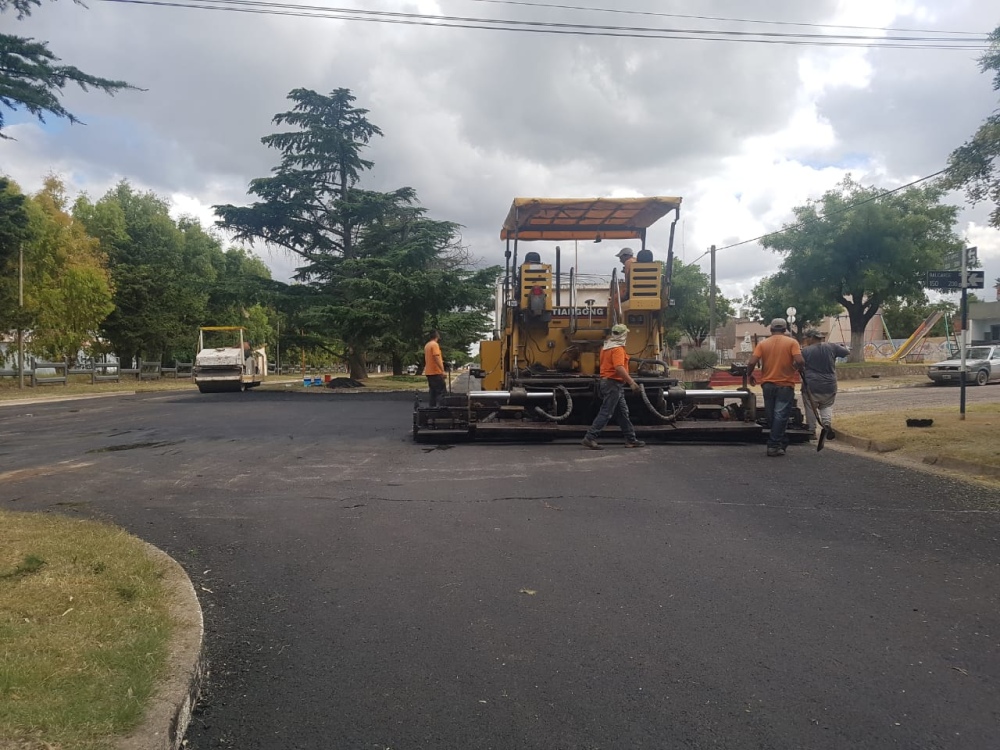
{"type": "Point", "coordinates": [976, 280]}
{"type": "Point", "coordinates": [952, 280]}
{"type": "Point", "coordinates": [946, 280]}
{"type": "Point", "coordinates": [953, 260]}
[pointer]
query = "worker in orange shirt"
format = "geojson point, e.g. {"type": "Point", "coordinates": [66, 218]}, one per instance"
{"type": "Point", "coordinates": [614, 378]}
{"type": "Point", "coordinates": [781, 360]}
{"type": "Point", "coordinates": [434, 369]}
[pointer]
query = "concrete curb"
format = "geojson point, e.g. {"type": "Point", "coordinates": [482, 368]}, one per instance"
{"type": "Point", "coordinates": [866, 444]}
{"type": "Point", "coordinates": [942, 462]}
{"type": "Point", "coordinates": [169, 712]}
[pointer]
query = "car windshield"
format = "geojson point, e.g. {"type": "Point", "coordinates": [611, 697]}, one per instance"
{"type": "Point", "coordinates": [978, 352]}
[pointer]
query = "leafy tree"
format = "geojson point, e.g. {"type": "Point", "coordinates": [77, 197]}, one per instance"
{"type": "Point", "coordinates": [15, 230]}
{"type": "Point", "coordinates": [13, 219]}
{"type": "Point", "coordinates": [376, 270]}
{"type": "Point", "coordinates": [860, 248]}
{"type": "Point", "coordinates": [773, 295]}
{"type": "Point", "coordinates": [160, 272]}
{"type": "Point", "coordinates": [975, 166]}
{"type": "Point", "coordinates": [31, 76]}
{"type": "Point", "coordinates": [67, 291]}
{"type": "Point", "coordinates": [689, 314]}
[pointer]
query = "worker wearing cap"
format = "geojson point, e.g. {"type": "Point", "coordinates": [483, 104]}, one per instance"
{"type": "Point", "coordinates": [820, 378]}
{"type": "Point", "coordinates": [780, 356]}
{"type": "Point", "coordinates": [627, 257]}
{"type": "Point", "coordinates": [614, 378]}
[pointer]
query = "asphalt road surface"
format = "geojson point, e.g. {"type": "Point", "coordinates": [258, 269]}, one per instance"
{"type": "Point", "coordinates": [363, 592]}
{"type": "Point", "coordinates": [918, 397]}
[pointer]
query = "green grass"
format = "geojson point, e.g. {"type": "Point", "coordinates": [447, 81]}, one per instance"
{"type": "Point", "coordinates": [79, 385]}
{"type": "Point", "coordinates": [83, 632]}
{"type": "Point", "coordinates": [972, 439]}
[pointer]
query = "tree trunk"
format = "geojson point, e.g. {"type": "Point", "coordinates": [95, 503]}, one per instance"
{"type": "Point", "coordinates": [856, 315]}
{"type": "Point", "coordinates": [356, 364]}
{"type": "Point", "coordinates": [397, 365]}
{"type": "Point", "coordinates": [857, 346]}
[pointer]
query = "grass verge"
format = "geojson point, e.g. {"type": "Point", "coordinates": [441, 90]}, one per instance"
{"type": "Point", "coordinates": [79, 385]}
{"type": "Point", "coordinates": [84, 629]}
{"type": "Point", "coordinates": [974, 439]}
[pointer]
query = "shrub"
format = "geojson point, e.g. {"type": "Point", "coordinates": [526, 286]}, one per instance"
{"type": "Point", "coordinates": [699, 359]}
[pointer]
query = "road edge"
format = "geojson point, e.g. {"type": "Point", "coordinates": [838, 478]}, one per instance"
{"type": "Point", "coordinates": [940, 462]}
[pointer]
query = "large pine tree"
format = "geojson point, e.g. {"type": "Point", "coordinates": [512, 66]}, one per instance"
{"type": "Point", "coordinates": [31, 76]}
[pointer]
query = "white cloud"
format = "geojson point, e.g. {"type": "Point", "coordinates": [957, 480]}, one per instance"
{"type": "Point", "coordinates": [743, 132]}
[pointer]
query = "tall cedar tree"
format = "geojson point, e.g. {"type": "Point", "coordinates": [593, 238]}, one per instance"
{"type": "Point", "coordinates": [31, 76]}
{"type": "Point", "coordinates": [354, 242]}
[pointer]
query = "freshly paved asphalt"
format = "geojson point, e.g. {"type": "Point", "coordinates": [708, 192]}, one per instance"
{"type": "Point", "coordinates": [363, 592]}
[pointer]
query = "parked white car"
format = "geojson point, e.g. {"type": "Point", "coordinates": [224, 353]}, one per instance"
{"type": "Point", "coordinates": [982, 366]}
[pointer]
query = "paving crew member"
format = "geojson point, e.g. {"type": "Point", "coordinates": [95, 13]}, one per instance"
{"type": "Point", "coordinates": [434, 369]}
{"type": "Point", "coordinates": [627, 258]}
{"type": "Point", "coordinates": [820, 378]}
{"type": "Point", "coordinates": [780, 356]}
{"type": "Point", "coordinates": [614, 378]}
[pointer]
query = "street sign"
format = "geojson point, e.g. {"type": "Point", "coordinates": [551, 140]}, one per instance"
{"type": "Point", "coordinates": [949, 281]}
{"type": "Point", "coordinates": [954, 260]}
{"type": "Point", "coordinates": [790, 311]}
{"type": "Point", "coordinates": [946, 280]}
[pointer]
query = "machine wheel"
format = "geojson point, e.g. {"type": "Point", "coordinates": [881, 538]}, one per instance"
{"type": "Point", "coordinates": [982, 377]}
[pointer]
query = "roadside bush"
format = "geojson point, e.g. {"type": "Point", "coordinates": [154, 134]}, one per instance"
{"type": "Point", "coordinates": [699, 359]}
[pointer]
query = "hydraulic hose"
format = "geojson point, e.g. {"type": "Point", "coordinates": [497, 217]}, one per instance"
{"type": "Point", "coordinates": [667, 418]}
{"type": "Point", "coordinates": [569, 407]}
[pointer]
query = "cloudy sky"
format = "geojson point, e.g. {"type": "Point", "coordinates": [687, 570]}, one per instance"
{"type": "Point", "coordinates": [472, 118]}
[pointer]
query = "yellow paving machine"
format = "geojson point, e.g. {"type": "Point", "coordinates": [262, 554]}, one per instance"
{"type": "Point", "coordinates": [539, 374]}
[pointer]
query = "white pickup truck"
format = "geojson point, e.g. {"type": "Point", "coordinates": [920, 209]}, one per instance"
{"type": "Point", "coordinates": [225, 361]}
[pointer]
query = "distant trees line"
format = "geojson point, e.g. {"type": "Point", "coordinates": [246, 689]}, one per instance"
{"type": "Point", "coordinates": [121, 275]}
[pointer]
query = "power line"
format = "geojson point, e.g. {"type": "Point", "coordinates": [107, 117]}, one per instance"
{"type": "Point", "coordinates": [659, 14]}
{"type": "Point", "coordinates": [824, 216]}
{"type": "Point", "coordinates": [350, 14]}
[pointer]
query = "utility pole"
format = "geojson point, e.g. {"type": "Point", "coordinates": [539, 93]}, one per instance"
{"type": "Point", "coordinates": [20, 304]}
{"type": "Point", "coordinates": [711, 304]}
{"type": "Point", "coordinates": [965, 327]}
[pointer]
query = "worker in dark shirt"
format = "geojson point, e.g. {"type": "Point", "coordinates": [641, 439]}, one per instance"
{"type": "Point", "coordinates": [820, 379]}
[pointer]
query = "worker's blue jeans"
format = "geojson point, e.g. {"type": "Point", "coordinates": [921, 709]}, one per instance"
{"type": "Point", "coordinates": [612, 405]}
{"type": "Point", "coordinates": [778, 400]}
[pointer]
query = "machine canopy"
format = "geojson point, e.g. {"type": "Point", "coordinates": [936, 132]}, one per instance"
{"type": "Point", "coordinates": [584, 218]}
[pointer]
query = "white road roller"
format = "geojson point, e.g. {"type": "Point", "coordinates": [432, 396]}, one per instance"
{"type": "Point", "coordinates": [226, 362]}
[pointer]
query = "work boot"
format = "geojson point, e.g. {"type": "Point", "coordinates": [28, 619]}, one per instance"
{"type": "Point", "coordinates": [635, 443]}
{"type": "Point", "coordinates": [589, 442]}
{"type": "Point", "coordinates": [830, 434]}
{"type": "Point", "coordinates": [774, 451]}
